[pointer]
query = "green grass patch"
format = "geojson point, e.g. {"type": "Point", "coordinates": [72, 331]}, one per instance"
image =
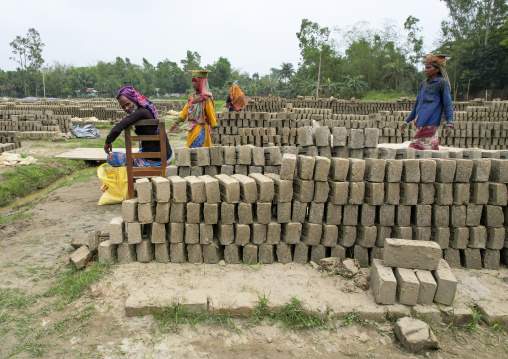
{"type": "Point", "coordinates": [292, 316]}
{"type": "Point", "coordinates": [385, 96]}
{"type": "Point", "coordinates": [24, 180]}
{"type": "Point", "coordinates": [72, 282]}
{"type": "Point", "coordinates": [13, 298]}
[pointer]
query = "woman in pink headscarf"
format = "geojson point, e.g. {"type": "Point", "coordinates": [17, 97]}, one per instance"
{"type": "Point", "coordinates": [199, 113]}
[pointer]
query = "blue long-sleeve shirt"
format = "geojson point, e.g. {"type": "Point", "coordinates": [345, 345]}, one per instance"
{"type": "Point", "coordinates": [433, 97]}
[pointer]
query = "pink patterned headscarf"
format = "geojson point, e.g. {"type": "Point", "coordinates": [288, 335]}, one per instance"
{"type": "Point", "coordinates": [135, 96]}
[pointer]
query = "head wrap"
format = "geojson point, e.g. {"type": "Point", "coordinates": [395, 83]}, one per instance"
{"type": "Point", "coordinates": [196, 108]}
{"type": "Point", "coordinates": [439, 62]}
{"type": "Point", "coordinates": [237, 97]}
{"type": "Point", "coordinates": [138, 98]}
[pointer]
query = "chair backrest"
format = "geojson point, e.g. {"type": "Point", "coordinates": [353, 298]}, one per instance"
{"type": "Point", "coordinates": [132, 171]}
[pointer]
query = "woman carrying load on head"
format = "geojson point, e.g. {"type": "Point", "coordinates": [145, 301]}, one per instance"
{"type": "Point", "coordinates": [236, 98]}
{"type": "Point", "coordinates": [137, 107]}
{"type": "Point", "coordinates": [433, 98]}
{"type": "Point", "coordinates": [199, 113]}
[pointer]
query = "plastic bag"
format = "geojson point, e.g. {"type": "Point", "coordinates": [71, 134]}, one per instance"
{"type": "Point", "coordinates": [114, 184]}
{"type": "Point", "coordinates": [89, 131]}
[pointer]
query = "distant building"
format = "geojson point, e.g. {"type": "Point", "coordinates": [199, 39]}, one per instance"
{"type": "Point", "coordinates": [90, 92]}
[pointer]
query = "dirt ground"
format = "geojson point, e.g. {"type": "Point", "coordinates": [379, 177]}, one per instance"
{"type": "Point", "coordinates": [33, 250]}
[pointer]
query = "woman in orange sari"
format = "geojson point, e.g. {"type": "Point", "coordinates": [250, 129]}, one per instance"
{"type": "Point", "coordinates": [236, 98]}
{"type": "Point", "coordinates": [199, 113]}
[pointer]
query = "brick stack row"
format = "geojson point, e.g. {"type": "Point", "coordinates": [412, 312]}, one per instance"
{"type": "Point", "coordinates": [316, 207]}
{"type": "Point", "coordinates": [412, 272]}
{"type": "Point", "coordinates": [9, 140]}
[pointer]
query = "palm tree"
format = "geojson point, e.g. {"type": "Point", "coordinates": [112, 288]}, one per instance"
{"type": "Point", "coordinates": [356, 84]}
{"type": "Point", "coordinates": [397, 73]}
{"type": "Point", "coordinates": [286, 71]}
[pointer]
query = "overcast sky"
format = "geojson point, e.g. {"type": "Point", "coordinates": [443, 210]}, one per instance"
{"type": "Point", "coordinates": [254, 35]}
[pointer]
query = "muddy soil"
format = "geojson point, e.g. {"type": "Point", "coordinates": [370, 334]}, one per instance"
{"type": "Point", "coordinates": [34, 250]}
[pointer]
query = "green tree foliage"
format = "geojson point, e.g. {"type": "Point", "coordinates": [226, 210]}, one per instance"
{"type": "Point", "coordinates": [27, 52]}
{"type": "Point", "coordinates": [286, 71]}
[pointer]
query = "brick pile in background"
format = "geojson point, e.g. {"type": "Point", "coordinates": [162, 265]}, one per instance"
{"type": "Point", "coordinates": [316, 207]}
{"type": "Point", "coordinates": [479, 126]}
{"type": "Point", "coordinates": [102, 109]}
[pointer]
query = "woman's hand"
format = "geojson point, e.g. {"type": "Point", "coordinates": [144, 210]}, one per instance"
{"type": "Point", "coordinates": [173, 127]}
{"type": "Point", "coordinates": [403, 127]}
{"type": "Point", "coordinates": [108, 148]}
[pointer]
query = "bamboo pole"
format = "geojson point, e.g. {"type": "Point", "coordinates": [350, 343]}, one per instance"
{"type": "Point", "coordinates": [318, 77]}
{"type": "Point", "coordinates": [467, 95]}
{"type": "Point", "coordinates": [43, 84]}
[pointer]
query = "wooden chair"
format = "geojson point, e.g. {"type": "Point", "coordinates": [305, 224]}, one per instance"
{"type": "Point", "coordinates": [132, 171]}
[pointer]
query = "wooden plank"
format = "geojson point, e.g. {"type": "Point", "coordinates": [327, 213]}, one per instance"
{"type": "Point", "coordinates": [89, 154]}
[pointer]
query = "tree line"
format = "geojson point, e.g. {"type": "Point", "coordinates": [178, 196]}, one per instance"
{"type": "Point", "coordinates": [336, 62]}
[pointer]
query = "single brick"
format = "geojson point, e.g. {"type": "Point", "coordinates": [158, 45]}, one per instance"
{"type": "Point", "coordinates": [461, 193]}
{"type": "Point", "coordinates": [347, 236]}
{"type": "Point", "coordinates": [194, 212]}
{"type": "Point", "coordinates": [498, 171]}
{"type": "Point", "coordinates": [303, 191]}
{"type": "Point", "coordinates": [408, 286]}
{"type": "Point", "coordinates": [321, 191]}
{"type": "Point", "coordinates": [452, 257]}
{"type": "Point", "coordinates": [144, 190]}
{"type": "Point", "coordinates": [367, 215]}
{"type": "Point", "coordinates": [283, 252]}
{"type": "Point", "coordinates": [422, 233]}
{"type": "Point", "coordinates": [441, 235]}
{"type": "Point", "coordinates": [287, 168]}
{"type": "Point", "coordinates": [321, 168]}
{"type": "Point", "coordinates": [245, 213]}
{"type": "Point", "coordinates": [194, 253]}
{"type": "Point", "coordinates": [471, 258]}
{"type": "Point", "coordinates": [490, 259]}
{"type": "Point", "coordinates": [232, 254]}
{"type": "Point", "coordinates": [495, 238]}
{"type": "Point", "coordinates": [229, 188]}
{"type": "Point", "coordinates": [392, 193]}
{"type": "Point", "coordinates": [133, 232]}
{"type": "Point", "coordinates": [445, 171]}
{"type": "Point", "coordinates": [145, 251]}
{"type": "Point", "coordinates": [366, 236]}
{"type": "Point", "coordinates": [211, 213]}
{"type": "Point", "coordinates": [162, 212]}
{"type": "Point", "coordinates": [356, 170]}
{"type": "Point", "coordinates": [411, 254]}
{"type": "Point", "coordinates": [116, 230]}
{"type": "Point", "coordinates": [356, 192]}
{"type": "Point", "coordinates": [158, 233]}
{"type": "Point", "coordinates": [428, 171]}
{"type": "Point", "coordinates": [205, 233]}
{"type": "Point", "coordinates": [130, 210]}
{"type": "Point", "coordinates": [411, 170]}
{"type": "Point", "coordinates": [382, 234]}
{"type": "Point", "coordinates": [386, 215]}
{"type": "Point", "coordinates": [383, 282]}
{"type": "Point", "coordinates": [464, 170]}
{"type": "Point", "coordinates": [266, 253]}
{"type": "Point", "coordinates": [283, 188]}
{"type": "Point", "coordinates": [339, 168]}
{"type": "Point", "coordinates": [213, 252]}
{"type": "Point", "coordinates": [146, 212]}
{"type": "Point", "coordinates": [161, 252]}
{"type": "Point", "coordinates": [263, 212]}
{"type": "Point", "coordinates": [498, 195]}
{"type": "Point", "coordinates": [248, 188]}
{"type": "Point", "coordinates": [428, 287]}
{"type": "Point", "coordinates": [176, 232]}
{"type": "Point", "coordinates": [393, 171]}
{"type": "Point", "coordinates": [403, 215]}
{"type": "Point", "coordinates": [422, 215]}
{"type": "Point", "coordinates": [444, 194]}
{"type": "Point", "coordinates": [107, 252]}
{"type": "Point", "coordinates": [228, 213]}
{"type": "Point", "coordinates": [242, 234]}
{"type": "Point", "coordinates": [481, 170]}
{"type": "Point", "coordinates": [212, 189]}
{"type": "Point", "coordinates": [161, 189]}
{"type": "Point", "coordinates": [409, 194]}
{"type": "Point", "coordinates": [191, 233]}
{"type": "Point", "coordinates": [446, 284]}
{"type": "Point", "coordinates": [333, 213]}
{"type": "Point", "coordinates": [177, 252]}
{"type": "Point", "coordinates": [426, 193]}
{"type": "Point", "coordinates": [402, 232]}
{"type": "Point", "coordinates": [477, 237]}
{"type": "Point", "coordinates": [179, 189]}
{"type": "Point", "coordinates": [492, 216]}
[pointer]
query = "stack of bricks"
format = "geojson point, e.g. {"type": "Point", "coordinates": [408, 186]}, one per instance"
{"type": "Point", "coordinates": [9, 140]}
{"type": "Point", "coordinates": [102, 109]}
{"type": "Point", "coordinates": [479, 126]}
{"type": "Point", "coordinates": [28, 122]}
{"type": "Point", "coordinates": [309, 208]}
{"type": "Point", "coordinates": [247, 159]}
{"type": "Point", "coordinates": [412, 272]}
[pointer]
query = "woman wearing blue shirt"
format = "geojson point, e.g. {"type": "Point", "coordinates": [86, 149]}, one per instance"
{"type": "Point", "coordinates": [433, 98]}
